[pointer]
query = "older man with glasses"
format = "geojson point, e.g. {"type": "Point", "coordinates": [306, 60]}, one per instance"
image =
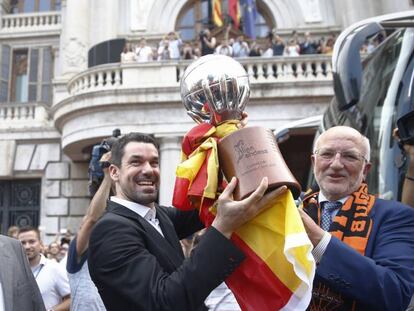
{"type": "Point", "coordinates": [364, 246]}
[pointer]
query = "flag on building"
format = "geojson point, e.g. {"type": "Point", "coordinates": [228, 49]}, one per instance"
{"type": "Point", "coordinates": [234, 12]}
{"type": "Point", "coordinates": [217, 15]}
{"type": "Point", "coordinates": [278, 271]}
{"type": "Point", "coordinates": [249, 14]}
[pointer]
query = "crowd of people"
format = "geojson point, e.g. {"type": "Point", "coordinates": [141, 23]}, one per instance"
{"type": "Point", "coordinates": [129, 253]}
{"type": "Point", "coordinates": [55, 250]}
{"type": "Point", "coordinates": [172, 47]}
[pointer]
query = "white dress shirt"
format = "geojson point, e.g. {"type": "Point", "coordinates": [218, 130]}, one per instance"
{"type": "Point", "coordinates": [52, 281]}
{"type": "Point", "coordinates": [149, 214]}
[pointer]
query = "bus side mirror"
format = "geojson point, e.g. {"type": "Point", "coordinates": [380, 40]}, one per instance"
{"type": "Point", "coordinates": [347, 66]}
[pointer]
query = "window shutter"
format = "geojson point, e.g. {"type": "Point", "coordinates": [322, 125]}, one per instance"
{"type": "Point", "coordinates": [33, 72]}
{"type": "Point", "coordinates": [5, 51]}
{"type": "Point", "coordinates": [47, 74]}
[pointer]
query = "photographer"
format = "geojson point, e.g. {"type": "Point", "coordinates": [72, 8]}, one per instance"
{"type": "Point", "coordinates": [208, 43]}
{"type": "Point", "coordinates": [85, 296]}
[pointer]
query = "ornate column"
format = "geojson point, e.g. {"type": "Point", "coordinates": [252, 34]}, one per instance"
{"type": "Point", "coordinates": [170, 155]}
{"type": "Point", "coordinates": [74, 39]}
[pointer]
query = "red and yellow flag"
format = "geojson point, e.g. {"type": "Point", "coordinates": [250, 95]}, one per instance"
{"type": "Point", "coordinates": [279, 268]}
{"type": "Point", "coordinates": [217, 15]}
{"type": "Point", "coordinates": [234, 12]}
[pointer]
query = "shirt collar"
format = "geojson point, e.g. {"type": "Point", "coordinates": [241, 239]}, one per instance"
{"type": "Point", "coordinates": [43, 260]}
{"type": "Point", "coordinates": [142, 210]}
{"type": "Point", "coordinates": [322, 198]}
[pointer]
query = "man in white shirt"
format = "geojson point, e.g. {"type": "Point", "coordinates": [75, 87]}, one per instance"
{"type": "Point", "coordinates": [240, 47]}
{"type": "Point", "coordinates": [175, 43]}
{"type": "Point", "coordinates": [143, 52]}
{"type": "Point", "coordinates": [50, 276]}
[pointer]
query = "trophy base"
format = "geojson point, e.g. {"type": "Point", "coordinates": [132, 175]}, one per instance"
{"type": "Point", "coordinates": [250, 154]}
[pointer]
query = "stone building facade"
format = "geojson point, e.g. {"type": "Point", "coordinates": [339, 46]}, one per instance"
{"type": "Point", "coordinates": [54, 106]}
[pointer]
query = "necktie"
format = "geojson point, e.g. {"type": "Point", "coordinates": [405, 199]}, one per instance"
{"type": "Point", "coordinates": [326, 217]}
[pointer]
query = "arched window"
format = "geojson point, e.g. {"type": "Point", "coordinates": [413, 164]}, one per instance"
{"type": "Point", "coordinates": [195, 16]}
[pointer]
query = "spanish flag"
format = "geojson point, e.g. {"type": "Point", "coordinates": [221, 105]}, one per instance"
{"type": "Point", "coordinates": [217, 16]}
{"type": "Point", "coordinates": [279, 268]}
{"type": "Point", "coordinates": [234, 12]}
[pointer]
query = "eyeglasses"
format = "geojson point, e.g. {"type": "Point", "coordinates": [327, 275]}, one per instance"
{"type": "Point", "coordinates": [347, 156]}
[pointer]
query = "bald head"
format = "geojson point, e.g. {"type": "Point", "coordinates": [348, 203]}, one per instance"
{"type": "Point", "coordinates": [341, 161]}
{"type": "Point", "coordinates": [348, 134]}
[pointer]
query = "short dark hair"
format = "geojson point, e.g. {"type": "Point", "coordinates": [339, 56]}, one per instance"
{"type": "Point", "coordinates": [30, 228]}
{"type": "Point", "coordinates": [118, 148]}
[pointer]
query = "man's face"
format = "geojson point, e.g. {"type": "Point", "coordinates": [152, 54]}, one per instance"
{"type": "Point", "coordinates": [31, 244]}
{"type": "Point", "coordinates": [138, 178]}
{"type": "Point", "coordinates": [342, 174]}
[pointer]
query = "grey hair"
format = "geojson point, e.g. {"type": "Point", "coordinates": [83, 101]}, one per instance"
{"type": "Point", "coordinates": [364, 143]}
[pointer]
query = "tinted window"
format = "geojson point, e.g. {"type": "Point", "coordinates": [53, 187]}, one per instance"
{"type": "Point", "coordinates": [369, 114]}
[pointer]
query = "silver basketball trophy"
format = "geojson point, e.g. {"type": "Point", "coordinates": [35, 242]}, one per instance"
{"type": "Point", "coordinates": [215, 89]}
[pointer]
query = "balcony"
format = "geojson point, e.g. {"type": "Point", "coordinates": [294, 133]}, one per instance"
{"type": "Point", "coordinates": [23, 115]}
{"type": "Point", "coordinates": [39, 23]}
{"type": "Point", "coordinates": [261, 70]}
{"type": "Point", "coordinates": [146, 97]}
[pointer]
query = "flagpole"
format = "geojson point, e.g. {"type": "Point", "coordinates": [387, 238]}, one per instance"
{"type": "Point", "coordinates": [210, 13]}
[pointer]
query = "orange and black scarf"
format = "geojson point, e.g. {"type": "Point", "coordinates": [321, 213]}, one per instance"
{"type": "Point", "coordinates": [352, 225]}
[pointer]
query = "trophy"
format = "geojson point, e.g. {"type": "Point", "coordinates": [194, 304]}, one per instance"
{"type": "Point", "coordinates": [215, 89]}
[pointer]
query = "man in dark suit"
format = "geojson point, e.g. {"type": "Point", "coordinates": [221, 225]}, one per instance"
{"type": "Point", "coordinates": [18, 288]}
{"type": "Point", "coordinates": [364, 246]}
{"type": "Point", "coordinates": [135, 258]}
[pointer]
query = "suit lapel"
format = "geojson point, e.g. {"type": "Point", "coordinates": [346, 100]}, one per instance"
{"type": "Point", "coordinates": [169, 245]}
{"type": "Point", "coordinates": [169, 230]}
{"type": "Point", "coordinates": [6, 276]}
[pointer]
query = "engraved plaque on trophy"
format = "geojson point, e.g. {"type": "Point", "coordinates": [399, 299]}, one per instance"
{"type": "Point", "coordinates": [250, 154]}
{"type": "Point", "coordinates": [214, 89]}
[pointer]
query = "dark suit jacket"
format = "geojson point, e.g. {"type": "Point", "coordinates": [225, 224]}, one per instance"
{"type": "Point", "coordinates": [135, 268]}
{"type": "Point", "coordinates": [20, 291]}
{"type": "Point", "coordinates": [384, 277]}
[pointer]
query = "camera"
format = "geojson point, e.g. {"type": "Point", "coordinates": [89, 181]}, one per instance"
{"type": "Point", "coordinates": [95, 169]}
{"type": "Point", "coordinates": [202, 34]}
{"type": "Point", "coordinates": [405, 126]}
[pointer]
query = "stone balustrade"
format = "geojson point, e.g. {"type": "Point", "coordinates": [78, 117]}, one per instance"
{"type": "Point", "coordinates": [97, 78]}
{"type": "Point", "coordinates": [23, 115]}
{"type": "Point", "coordinates": [167, 74]}
{"type": "Point", "coordinates": [30, 21]}
{"type": "Point", "coordinates": [285, 69]}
